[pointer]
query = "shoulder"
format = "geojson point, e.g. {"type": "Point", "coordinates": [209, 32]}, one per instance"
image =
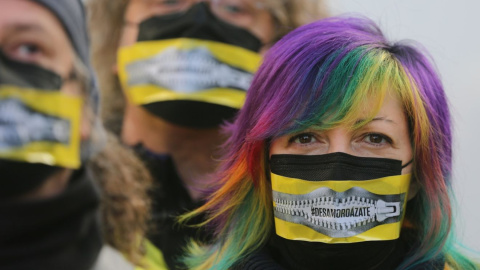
{"type": "Point", "coordinates": [111, 259]}
{"type": "Point", "coordinates": [153, 258]}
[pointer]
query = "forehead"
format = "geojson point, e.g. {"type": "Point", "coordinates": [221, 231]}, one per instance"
{"type": "Point", "coordinates": [23, 15]}
{"type": "Point", "coordinates": [389, 106]}
{"type": "Point", "coordinates": [137, 8]}
{"type": "Point", "coordinates": [385, 104]}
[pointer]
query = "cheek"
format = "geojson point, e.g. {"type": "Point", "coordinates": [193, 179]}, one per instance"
{"type": "Point", "coordinates": [407, 153]}
{"type": "Point", "coordinates": [71, 88]}
{"type": "Point", "coordinates": [136, 12]}
{"type": "Point", "coordinates": [74, 89]}
{"type": "Point", "coordinates": [60, 62]}
{"type": "Point", "coordinates": [263, 27]}
{"type": "Point", "coordinates": [264, 50]}
{"type": "Point", "coordinates": [278, 146]}
{"type": "Point", "coordinates": [86, 125]}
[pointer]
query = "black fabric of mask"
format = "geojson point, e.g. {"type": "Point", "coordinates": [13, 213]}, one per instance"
{"type": "Point", "coordinates": [198, 23]}
{"type": "Point", "coordinates": [295, 254]}
{"type": "Point", "coordinates": [335, 166]}
{"type": "Point", "coordinates": [62, 232]}
{"type": "Point", "coordinates": [21, 177]}
{"type": "Point", "coordinates": [27, 75]}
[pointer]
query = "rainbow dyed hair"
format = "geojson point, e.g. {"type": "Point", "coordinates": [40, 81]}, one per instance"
{"type": "Point", "coordinates": [323, 73]}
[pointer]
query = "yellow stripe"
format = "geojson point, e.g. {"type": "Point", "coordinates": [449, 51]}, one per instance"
{"type": "Point", "coordinates": [384, 186]}
{"type": "Point", "coordinates": [52, 103]}
{"type": "Point", "coordinates": [147, 94]}
{"type": "Point", "coordinates": [295, 231]}
{"type": "Point", "coordinates": [229, 54]}
{"type": "Point", "coordinates": [153, 259]}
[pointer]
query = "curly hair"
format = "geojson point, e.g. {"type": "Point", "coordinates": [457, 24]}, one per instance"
{"type": "Point", "coordinates": [124, 182]}
{"type": "Point", "coordinates": [125, 205]}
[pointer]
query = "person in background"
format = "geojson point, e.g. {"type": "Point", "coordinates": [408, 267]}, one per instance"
{"type": "Point", "coordinates": [54, 151]}
{"type": "Point", "coordinates": [340, 159]}
{"type": "Point", "coordinates": [171, 72]}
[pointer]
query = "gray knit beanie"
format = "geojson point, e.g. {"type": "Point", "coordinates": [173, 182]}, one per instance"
{"type": "Point", "coordinates": [71, 14]}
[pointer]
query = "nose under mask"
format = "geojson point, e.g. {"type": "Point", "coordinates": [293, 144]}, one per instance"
{"type": "Point", "coordinates": [191, 69]}
{"type": "Point", "coordinates": [338, 211]}
{"type": "Point", "coordinates": [39, 126]}
{"type": "Point", "coordinates": [338, 198]}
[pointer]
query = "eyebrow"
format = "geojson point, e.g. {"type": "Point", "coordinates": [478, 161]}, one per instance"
{"type": "Point", "coordinates": [377, 119]}
{"type": "Point", "coordinates": [25, 27]}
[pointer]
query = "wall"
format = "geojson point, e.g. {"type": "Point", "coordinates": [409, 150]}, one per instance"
{"type": "Point", "coordinates": [450, 30]}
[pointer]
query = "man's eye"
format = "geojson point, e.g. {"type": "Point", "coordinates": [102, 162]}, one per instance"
{"type": "Point", "coordinates": [303, 138]}
{"type": "Point", "coordinates": [232, 9]}
{"type": "Point", "coordinates": [26, 52]}
{"type": "Point", "coordinates": [171, 2]}
{"type": "Point", "coordinates": [28, 49]}
{"type": "Point", "coordinates": [163, 7]}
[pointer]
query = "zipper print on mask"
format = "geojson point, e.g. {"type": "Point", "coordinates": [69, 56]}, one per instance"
{"type": "Point", "coordinates": [339, 214]}
{"type": "Point", "coordinates": [187, 71]}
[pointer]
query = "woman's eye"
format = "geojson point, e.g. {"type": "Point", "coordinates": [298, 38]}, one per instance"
{"type": "Point", "coordinates": [376, 139]}
{"type": "Point", "coordinates": [303, 138]}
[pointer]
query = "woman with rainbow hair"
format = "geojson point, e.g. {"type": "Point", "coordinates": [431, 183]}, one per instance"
{"type": "Point", "coordinates": [340, 159]}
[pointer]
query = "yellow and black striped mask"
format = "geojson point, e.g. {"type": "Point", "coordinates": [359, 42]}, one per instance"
{"type": "Point", "coordinates": [338, 198]}
{"type": "Point", "coordinates": [191, 69]}
{"type": "Point", "coordinates": [38, 123]}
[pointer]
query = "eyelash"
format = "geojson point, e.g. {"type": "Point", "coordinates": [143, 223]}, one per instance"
{"type": "Point", "coordinates": [170, 2]}
{"type": "Point", "coordinates": [383, 136]}
{"type": "Point", "coordinates": [233, 9]}
{"type": "Point", "coordinates": [298, 136]}
{"type": "Point", "coordinates": [15, 51]}
{"type": "Point", "coordinates": [364, 138]}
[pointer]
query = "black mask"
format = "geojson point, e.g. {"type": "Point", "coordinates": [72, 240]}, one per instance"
{"type": "Point", "coordinates": [297, 254]}
{"type": "Point", "coordinates": [20, 177]}
{"type": "Point", "coordinates": [200, 69]}
{"type": "Point", "coordinates": [200, 23]}
{"type": "Point", "coordinates": [27, 75]}
{"type": "Point", "coordinates": [62, 232]}
{"type": "Point", "coordinates": [334, 166]}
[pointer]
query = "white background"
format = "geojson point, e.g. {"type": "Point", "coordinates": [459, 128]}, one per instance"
{"type": "Point", "coordinates": [450, 30]}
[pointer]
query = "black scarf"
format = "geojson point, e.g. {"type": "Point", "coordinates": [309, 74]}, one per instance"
{"type": "Point", "coordinates": [62, 232]}
{"type": "Point", "coordinates": [170, 199]}
{"type": "Point", "coordinates": [276, 256]}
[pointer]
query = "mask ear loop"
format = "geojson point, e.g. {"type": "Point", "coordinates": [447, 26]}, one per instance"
{"type": "Point", "coordinates": [267, 159]}
{"type": "Point", "coordinates": [408, 163]}
{"type": "Point", "coordinates": [272, 241]}
{"type": "Point", "coordinates": [72, 76]}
